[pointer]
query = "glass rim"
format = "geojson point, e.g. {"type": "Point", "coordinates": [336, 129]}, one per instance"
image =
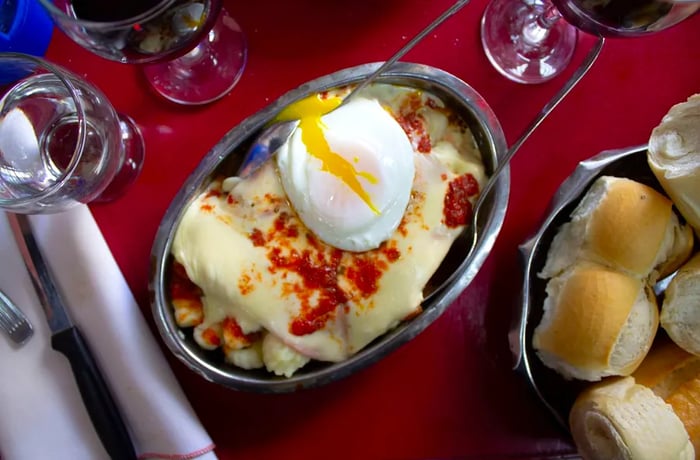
{"type": "Point", "coordinates": [64, 76]}
{"type": "Point", "coordinates": [108, 25]}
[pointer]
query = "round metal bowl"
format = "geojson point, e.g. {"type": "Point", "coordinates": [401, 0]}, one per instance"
{"type": "Point", "coordinates": [556, 393]}
{"type": "Point", "coordinates": [455, 273]}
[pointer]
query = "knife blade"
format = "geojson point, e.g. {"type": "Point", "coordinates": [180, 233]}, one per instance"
{"type": "Point", "coordinates": [67, 339]}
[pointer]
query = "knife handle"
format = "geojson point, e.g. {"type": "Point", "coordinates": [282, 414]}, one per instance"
{"type": "Point", "coordinates": [98, 400]}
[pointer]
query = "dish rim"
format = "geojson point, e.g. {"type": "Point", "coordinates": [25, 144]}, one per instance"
{"type": "Point", "coordinates": [421, 76]}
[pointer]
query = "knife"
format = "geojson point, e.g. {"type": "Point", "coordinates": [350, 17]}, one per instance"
{"type": "Point", "coordinates": [67, 339]}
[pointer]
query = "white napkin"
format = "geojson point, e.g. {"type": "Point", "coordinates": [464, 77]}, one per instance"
{"type": "Point", "coordinates": [41, 411]}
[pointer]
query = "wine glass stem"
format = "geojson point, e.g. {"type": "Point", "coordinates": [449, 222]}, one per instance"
{"type": "Point", "coordinates": [549, 16]}
{"type": "Point", "coordinates": [536, 31]}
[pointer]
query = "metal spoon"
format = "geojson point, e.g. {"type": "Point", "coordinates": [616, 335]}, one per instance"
{"type": "Point", "coordinates": [546, 110]}
{"type": "Point", "coordinates": [13, 321]}
{"type": "Point", "coordinates": [503, 162]}
{"type": "Point", "coordinates": [276, 135]}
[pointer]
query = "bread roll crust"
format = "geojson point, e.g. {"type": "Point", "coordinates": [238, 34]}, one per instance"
{"type": "Point", "coordinates": [588, 330]}
{"type": "Point", "coordinates": [627, 229]}
{"type": "Point", "coordinates": [625, 225]}
{"type": "Point", "coordinates": [685, 402]}
{"type": "Point", "coordinates": [673, 155]}
{"type": "Point", "coordinates": [666, 367]}
{"type": "Point", "coordinates": [680, 311]}
{"type": "Point", "coordinates": [619, 419]}
{"type": "Point", "coordinates": [674, 375]}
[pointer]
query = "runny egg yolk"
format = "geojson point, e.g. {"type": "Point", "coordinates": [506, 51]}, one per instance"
{"type": "Point", "coordinates": [309, 112]}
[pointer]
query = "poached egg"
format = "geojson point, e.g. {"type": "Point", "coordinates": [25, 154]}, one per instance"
{"type": "Point", "coordinates": [347, 171]}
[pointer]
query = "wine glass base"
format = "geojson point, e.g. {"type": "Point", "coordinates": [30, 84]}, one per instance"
{"type": "Point", "coordinates": [208, 72]}
{"type": "Point", "coordinates": [519, 48]}
{"type": "Point", "coordinates": [132, 162]}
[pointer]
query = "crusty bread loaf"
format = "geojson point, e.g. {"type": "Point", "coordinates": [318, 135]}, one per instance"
{"type": "Point", "coordinates": [674, 375]}
{"type": "Point", "coordinates": [620, 419]}
{"type": "Point", "coordinates": [680, 311]}
{"type": "Point", "coordinates": [625, 225]}
{"type": "Point", "coordinates": [674, 157]}
{"type": "Point", "coordinates": [597, 322]}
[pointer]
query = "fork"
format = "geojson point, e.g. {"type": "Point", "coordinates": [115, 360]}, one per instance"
{"type": "Point", "coordinates": [13, 321]}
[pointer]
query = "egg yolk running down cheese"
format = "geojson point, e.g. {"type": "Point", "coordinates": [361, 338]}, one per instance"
{"type": "Point", "coordinates": [348, 173]}
{"type": "Point", "coordinates": [253, 277]}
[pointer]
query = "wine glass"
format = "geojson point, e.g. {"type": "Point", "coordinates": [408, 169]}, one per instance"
{"type": "Point", "coordinates": [192, 51]}
{"type": "Point", "coordinates": [61, 141]}
{"type": "Point", "coordinates": [532, 41]}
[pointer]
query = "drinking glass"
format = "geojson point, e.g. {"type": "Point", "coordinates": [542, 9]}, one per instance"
{"type": "Point", "coordinates": [61, 141]}
{"type": "Point", "coordinates": [192, 51]}
{"type": "Point", "coordinates": [532, 41]}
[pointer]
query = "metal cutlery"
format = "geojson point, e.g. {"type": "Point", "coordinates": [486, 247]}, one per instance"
{"type": "Point", "coordinates": [67, 340]}
{"type": "Point", "coordinates": [274, 136]}
{"type": "Point", "coordinates": [13, 321]}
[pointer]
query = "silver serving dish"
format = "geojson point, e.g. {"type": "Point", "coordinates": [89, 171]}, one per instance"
{"type": "Point", "coordinates": [554, 391]}
{"type": "Point", "coordinates": [456, 272]}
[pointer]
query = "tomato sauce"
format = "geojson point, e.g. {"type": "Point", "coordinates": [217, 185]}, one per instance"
{"type": "Point", "coordinates": [457, 208]}
{"type": "Point", "coordinates": [180, 285]}
{"type": "Point", "coordinates": [210, 336]}
{"type": "Point", "coordinates": [233, 330]}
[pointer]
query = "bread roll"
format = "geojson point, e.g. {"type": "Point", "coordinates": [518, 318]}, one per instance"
{"type": "Point", "coordinates": [680, 311]}
{"type": "Point", "coordinates": [674, 375]}
{"type": "Point", "coordinates": [625, 225]}
{"type": "Point", "coordinates": [620, 419]}
{"type": "Point", "coordinates": [674, 157]}
{"type": "Point", "coordinates": [596, 322]}
{"type": "Point", "coordinates": [666, 367]}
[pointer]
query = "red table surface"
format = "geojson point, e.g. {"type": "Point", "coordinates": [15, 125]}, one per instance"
{"type": "Point", "coordinates": [450, 393]}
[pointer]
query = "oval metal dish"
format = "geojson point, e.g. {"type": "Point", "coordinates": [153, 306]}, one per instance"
{"type": "Point", "coordinates": [554, 391]}
{"type": "Point", "coordinates": [455, 273]}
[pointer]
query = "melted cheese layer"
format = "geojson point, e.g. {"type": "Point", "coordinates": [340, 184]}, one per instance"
{"type": "Point", "coordinates": [254, 260]}
{"type": "Point", "coordinates": [215, 243]}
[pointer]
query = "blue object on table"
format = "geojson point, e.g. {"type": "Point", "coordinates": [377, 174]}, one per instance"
{"type": "Point", "coordinates": [25, 27]}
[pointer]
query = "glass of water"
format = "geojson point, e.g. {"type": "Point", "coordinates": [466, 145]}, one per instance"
{"type": "Point", "coordinates": [61, 141]}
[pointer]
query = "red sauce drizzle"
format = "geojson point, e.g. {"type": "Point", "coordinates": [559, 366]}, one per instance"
{"type": "Point", "coordinates": [233, 329]}
{"type": "Point", "coordinates": [457, 207]}
{"type": "Point", "coordinates": [413, 124]}
{"type": "Point", "coordinates": [392, 254]}
{"type": "Point", "coordinates": [210, 336]}
{"type": "Point", "coordinates": [319, 275]}
{"type": "Point", "coordinates": [283, 228]}
{"type": "Point", "coordinates": [318, 269]}
{"type": "Point", "coordinates": [365, 274]}
{"type": "Point", "coordinates": [257, 237]}
{"type": "Point", "coordinates": [180, 285]}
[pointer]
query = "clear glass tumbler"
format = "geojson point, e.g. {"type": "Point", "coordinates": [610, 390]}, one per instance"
{"type": "Point", "coordinates": [61, 141]}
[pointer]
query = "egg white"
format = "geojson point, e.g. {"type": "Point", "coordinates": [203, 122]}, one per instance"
{"type": "Point", "coordinates": [370, 139]}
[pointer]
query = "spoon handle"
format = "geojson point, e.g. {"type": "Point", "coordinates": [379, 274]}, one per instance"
{"type": "Point", "coordinates": [546, 110]}
{"type": "Point", "coordinates": [408, 46]}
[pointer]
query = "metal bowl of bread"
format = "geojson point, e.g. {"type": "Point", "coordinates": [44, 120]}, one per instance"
{"type": "Point", "coordinates": [343, 245]}
{"type": "Point", "coordinates": [609, 332]}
